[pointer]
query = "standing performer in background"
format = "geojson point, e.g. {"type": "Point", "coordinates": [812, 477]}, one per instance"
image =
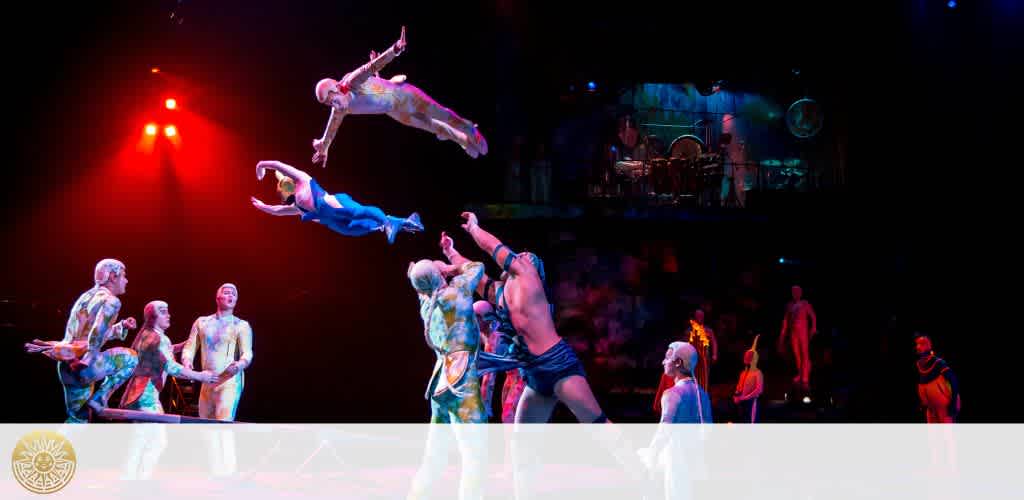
{"type": "Point", "coordinates": [749, 387]}
{"type": "Point", "coordinates": [703, 339]}
{"type": "Point", "coordinates": [226, 343]}
{"type": "Point", "coordinates": [92, 322]}
{"type": "Point", "coordinates": [937, 386]}
{"type": "Point", "coordinates": [361, 92]}
{"type": "Point", "coordinates": [305, 198]}
{"type": "Point", "coordinates": [799, 324]}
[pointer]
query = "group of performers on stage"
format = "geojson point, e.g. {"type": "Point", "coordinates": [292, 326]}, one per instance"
{"type": "Point", "coordinates": [477, 325]}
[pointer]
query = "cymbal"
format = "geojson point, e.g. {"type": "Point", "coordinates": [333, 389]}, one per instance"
{"type": "Point", "coordinates": [771, 163]}
{"type": "Point", "coordinates": [791, 162]}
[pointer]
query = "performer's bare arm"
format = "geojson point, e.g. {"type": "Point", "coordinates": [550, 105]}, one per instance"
{"type": "Point", "coordinates": [814, 318]}
{"type": "Point", "coordinates": [296, 174]}
{"type": "Point", "coordinates": [486, 286]}
{"type": "Point", "coordinates": [275, 209]}
{"type": "Point", "coordinates": [488, 243]}
{"type": "Point", "coordinates": [785, 328]}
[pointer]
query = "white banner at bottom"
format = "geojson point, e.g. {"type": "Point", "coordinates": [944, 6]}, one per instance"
{"type": "Point", "coordinates": [563, 461]}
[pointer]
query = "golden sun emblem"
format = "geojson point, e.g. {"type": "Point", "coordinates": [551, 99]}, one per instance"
{"type": "Point", "coordinates": [43, 461]}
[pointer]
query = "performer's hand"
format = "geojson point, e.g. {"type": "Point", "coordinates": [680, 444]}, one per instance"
{"type": "Point", "coordinates": [447, 245]}
{"type": "Point", "coordinates": [128, 323]}
{"type": "Point", "coordinates": [400, 44]}
{"type": "Point", "coordinates": [37, 346]}
{"type": "Point", "coordinates": [257, 203]}
{"type": "Point", "coordinates": [736, 399]}
{"type": "Point", "coordinates": [321, 152]}
{"type": "Point", "coordinates": [231, 369]}
{"type": "Point", "coordinates": [260, 172]}
{"type": "Point", "coordinates": [471, 221]}
{"type": "Point", "coordinates": [207, 377]}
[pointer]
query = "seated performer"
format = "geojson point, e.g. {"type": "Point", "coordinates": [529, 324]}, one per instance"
{"type": "Point", "coordinates": [361, 92]}
{"type": "Point", "coordinates": [156, 361]}
{"type": "Point", "coordinates": [305, 198]}
{"type": "Point", "coordinates": [91, 323]}
{"type": "Point", "coordinates": [749, 387]}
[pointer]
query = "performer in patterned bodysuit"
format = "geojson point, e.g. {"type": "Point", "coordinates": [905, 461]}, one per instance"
{"type": "Point", "coordinates": [361, 92]}
{"type": "Point", "coordinates": [450, 329]}
{"type": "Point", "coordinates": [156, 362]}
{"type": "Point", "coordinates": [92, 322]}
{"type": "Point", "coordinates": [223, 337]}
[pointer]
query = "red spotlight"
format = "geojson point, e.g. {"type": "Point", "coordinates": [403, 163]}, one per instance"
{"type": "Point", "coordinates": [170, 131]}
{"type": "Point", "coordinates": [171, 104]}
{"type": "Point", "coordinates": [151, 129]}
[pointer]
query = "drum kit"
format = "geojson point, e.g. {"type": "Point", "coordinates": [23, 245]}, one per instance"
{"type": "Point", "coordinates": [685, 169]}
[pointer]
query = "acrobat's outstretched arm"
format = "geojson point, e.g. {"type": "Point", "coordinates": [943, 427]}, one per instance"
{"type": "Point", "coordinates": [323, 144]}
{"type": "Point", "coordinates": [486, 286]}
{"type": "Point", "coordinates": [296, 174]}
{"type": "Point", "coordinates": [275, 209]}
{"type": "Point", "coordinates": [360, 74]}
{"type": "Point", "coordinates": [502, 255]}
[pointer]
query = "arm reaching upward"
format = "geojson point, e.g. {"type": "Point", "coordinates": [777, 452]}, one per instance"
{"type": "Point", "coordinates": [501, 254]}
{"type": "Point", "coordinates": [360, 74]}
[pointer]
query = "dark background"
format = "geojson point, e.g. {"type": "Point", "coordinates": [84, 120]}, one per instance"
{"type": "Point", "coordinates": [911, 87]}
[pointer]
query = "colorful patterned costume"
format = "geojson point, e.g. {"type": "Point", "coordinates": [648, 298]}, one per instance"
{"type": "Point", "coordinates": [222, 340]}
{"type": "Point", "coordinates": [91, 324]}
{"type": "Point", "coordinates": [156, 361]}
{"type": "Point", "coordinates": [452, 332]}
{"type": "Point", "coordinates": [362, 92]}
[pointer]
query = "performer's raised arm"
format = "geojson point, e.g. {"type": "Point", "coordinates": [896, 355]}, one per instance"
{"type": "Point", "coordinates": [486, 286]}
{"type": "Point", "coordinates": [284, 168]}
{"type": "Point", "coordinates": [360, 74]}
